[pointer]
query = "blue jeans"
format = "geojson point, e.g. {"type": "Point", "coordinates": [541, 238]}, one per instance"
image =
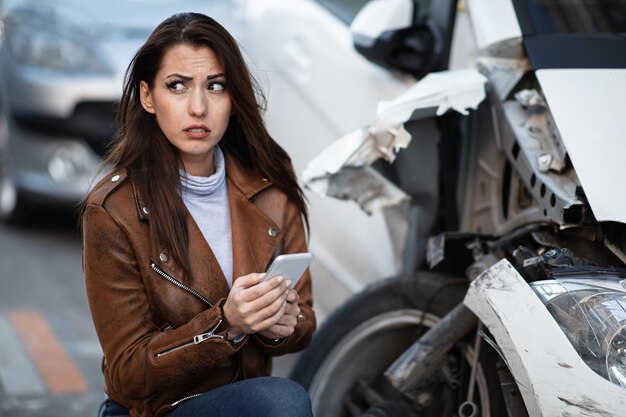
{"type": "Point", "coordinates": [256, 397]}
{"type": "Point", "coordinates": [110, 408]}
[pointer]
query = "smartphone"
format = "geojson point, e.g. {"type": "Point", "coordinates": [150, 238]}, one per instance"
{"type": "Point", "coordinates": [291, 266]}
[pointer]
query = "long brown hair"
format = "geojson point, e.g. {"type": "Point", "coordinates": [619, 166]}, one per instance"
{"type": "Point", "coordinates": [153, 163]}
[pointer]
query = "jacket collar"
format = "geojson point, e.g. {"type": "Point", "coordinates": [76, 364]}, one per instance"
{"type": "Point", "coordinates": [255, 236]}
{"type": "Point", "coordinates": [247, 180]}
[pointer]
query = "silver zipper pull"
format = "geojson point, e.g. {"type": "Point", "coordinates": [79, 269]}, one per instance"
{"type": "Point", "coordinates": [210, 335]}
{"type": "Point", "coordinates": [201, 337]}
{"type": "Point", "coordinates": [216, 326]}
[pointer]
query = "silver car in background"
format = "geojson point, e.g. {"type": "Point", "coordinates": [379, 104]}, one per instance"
{"type": "Point", "coordinates": [62, 65]}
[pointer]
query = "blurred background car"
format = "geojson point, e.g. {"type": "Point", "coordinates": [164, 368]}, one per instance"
{"type": "Point", "coordinates": [62, 64]}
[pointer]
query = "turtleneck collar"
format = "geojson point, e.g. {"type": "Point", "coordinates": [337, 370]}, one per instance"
{"type": "Point", "coordinates": [197, 187]}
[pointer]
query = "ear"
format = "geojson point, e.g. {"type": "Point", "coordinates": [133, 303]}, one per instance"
{"type": "Point", "coordinates": [146, 97]}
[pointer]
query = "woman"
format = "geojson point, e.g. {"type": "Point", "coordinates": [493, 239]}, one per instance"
{"type": "Point", "coordinates": [199, 201]}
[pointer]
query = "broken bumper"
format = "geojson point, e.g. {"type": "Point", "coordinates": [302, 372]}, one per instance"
{"type": "Point", "coordinates": [552, 377]}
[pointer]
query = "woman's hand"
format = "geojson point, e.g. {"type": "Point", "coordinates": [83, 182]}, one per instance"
{"type": "Point", "coordinates": [287, 323]}
{"type": "Point", "coordinates": [253, 305]}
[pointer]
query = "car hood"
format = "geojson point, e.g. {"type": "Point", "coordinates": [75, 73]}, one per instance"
{"type": "Point", "coordinates": [588, 106]}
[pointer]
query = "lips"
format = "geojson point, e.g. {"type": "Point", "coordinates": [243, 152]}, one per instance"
{"type": "Point", "coordinates": [197, 131]}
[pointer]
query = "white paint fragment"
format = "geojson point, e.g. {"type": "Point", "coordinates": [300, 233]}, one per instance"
{"type": "Point", "coordinates": [458, 90]}
{"type": "Point", "coordinates": [434, 95]}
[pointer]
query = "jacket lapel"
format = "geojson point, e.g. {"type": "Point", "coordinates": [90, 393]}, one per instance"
{"type": "Point", "coordinates": [255, 236]}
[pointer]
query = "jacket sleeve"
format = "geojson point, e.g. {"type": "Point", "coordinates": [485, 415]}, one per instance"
{"type": "Point", "coordinates": [141, 358]}
{"type": "Point", "coordinates": [294, 241]}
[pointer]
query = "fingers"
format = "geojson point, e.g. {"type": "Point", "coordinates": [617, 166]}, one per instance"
{"type": "Point", "coordinates": [292, 309]}
{"type": "Point", "coordinates": [293, 297]}
{"type": "Point", "coordinates": [247, 281]}
{"type": "Point", "coordinates": [254, 308]}
{"type": "Point", "coordinates": [285, 327]}
{"type": "Point", "coordinates": [260, 297]}
{"type": "Point", "coordinates": [254, 322]}
{"type": "Point", "coordinates": [286, 323]}
{"type": "Point", "coordinates": [270, 321]}
{"type": "Point", "coordinates": [253, 287]}
{"type": "Point", "coordinates": [271, 313]}
{"type": "Point", "coordinates": [286, 317]}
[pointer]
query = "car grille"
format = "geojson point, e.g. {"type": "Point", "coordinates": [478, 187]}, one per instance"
{"type": "Point", "coordinates": [93, 122]}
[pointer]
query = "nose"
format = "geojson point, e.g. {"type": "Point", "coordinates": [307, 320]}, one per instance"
{"type": "Point", "coordinates": [198, 103]}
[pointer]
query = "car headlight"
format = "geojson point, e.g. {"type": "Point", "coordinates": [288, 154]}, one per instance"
{"type": "Point", "coordinates": [68, 162]}
{"type": "Point", "coordinates": [46, 37]}
{"type": "Point", "coordinates": [591, 311]}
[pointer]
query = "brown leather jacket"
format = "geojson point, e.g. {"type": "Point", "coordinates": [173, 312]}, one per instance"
{"type": "Point", "coordinates": [162, 332]}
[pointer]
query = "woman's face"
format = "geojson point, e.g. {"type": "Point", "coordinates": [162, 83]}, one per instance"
{"type": "Point", "coordinates": [191, 103]}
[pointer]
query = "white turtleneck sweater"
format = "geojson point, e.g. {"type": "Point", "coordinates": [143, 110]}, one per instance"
{"type": "Point", "coordinates": [207, 200]}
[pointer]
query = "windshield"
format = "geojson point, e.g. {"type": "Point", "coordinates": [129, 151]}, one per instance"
{"type": "Point", "coordinates": [572, 16]}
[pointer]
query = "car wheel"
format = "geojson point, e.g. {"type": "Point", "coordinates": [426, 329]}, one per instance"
{"type": "Point", "coordinates": [344, 365]}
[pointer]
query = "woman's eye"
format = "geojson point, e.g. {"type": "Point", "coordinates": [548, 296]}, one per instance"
{"type": "Point", "coordinates": [217, 86]}
{"type": "Point", "coordinates": [176, 86]}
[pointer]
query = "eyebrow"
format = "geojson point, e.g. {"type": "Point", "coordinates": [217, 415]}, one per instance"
{"type": "Point", "coordinates": [187, 78]}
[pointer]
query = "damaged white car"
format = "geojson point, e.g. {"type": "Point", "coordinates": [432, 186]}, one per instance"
{"type": "Point", "coordinates": [520, 306]}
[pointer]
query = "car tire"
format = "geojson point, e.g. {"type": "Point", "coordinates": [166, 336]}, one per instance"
{"type": "Point", "coordinates": [363, 337]}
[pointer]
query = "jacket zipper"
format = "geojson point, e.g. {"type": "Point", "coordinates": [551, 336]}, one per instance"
{"type": "Point", "coordinates": [195, 341]}
{"type": "Point", "coordinates": [189, 397]}
{"type": "Point", "coordinates": [179, 284]}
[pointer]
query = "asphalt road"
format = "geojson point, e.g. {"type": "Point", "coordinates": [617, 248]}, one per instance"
{"type": "Point", "coordinates": [49, 352]}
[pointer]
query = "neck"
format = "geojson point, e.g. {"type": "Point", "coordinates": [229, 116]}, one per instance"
{"type": "Point", "coordinates": [204, 167]}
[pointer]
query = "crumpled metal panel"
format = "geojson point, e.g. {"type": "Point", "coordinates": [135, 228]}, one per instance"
{"type": "Point", "coordinates": [341, 171]}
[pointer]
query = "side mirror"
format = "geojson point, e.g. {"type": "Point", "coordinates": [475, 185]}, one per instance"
{"type": "Point", "coordinates": [384, 33]}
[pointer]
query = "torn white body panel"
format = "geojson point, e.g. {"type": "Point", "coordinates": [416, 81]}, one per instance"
{"type": "Point", "coordinates": [437, 93]}
{"type": "Point", "coordinates": [503, 73]}
{"type": "Point", "coordinates": [358, 182]}
{"type": "Point", "coordinates": [588, 107]}
{"type": "Point", "coordinates": [553, 379]}
{"type": "Point", "coordinates": [368, 188]}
